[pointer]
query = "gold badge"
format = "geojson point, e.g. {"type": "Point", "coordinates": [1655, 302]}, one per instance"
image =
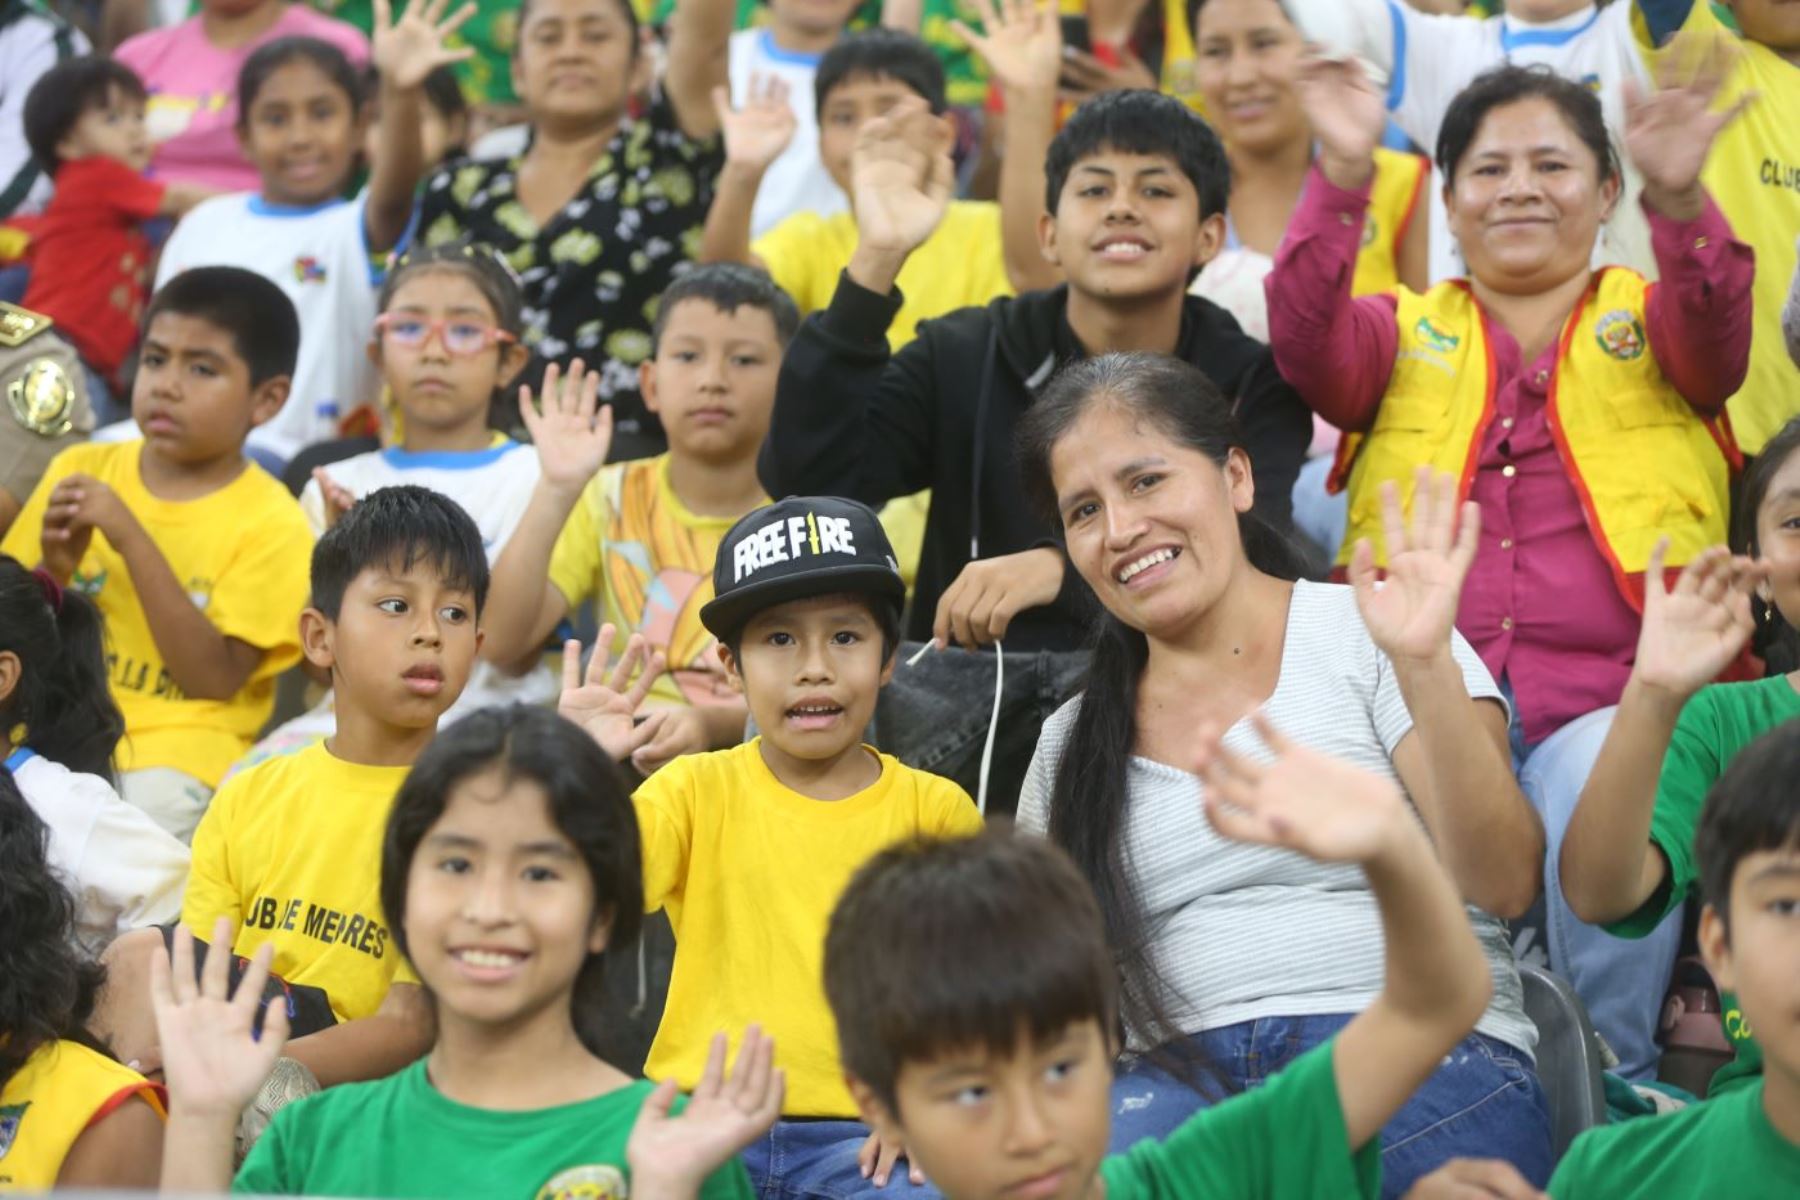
{"type": "Point", "coordinates": [43, 399]}
{"type": "Point", "coordinates": [20, 325]}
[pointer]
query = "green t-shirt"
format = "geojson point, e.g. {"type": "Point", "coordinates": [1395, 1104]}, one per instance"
{"type": "Point", "coordinates": [1721, 1147]}
{"type": "Point", "coordinates": [400, 1137]}
{"type": "Point", "coordinates": [493, 32]}
{"type": "Point", "coordinates": [1717, 723]}
{"type": "Point", "coordinates": [1284, 1140]}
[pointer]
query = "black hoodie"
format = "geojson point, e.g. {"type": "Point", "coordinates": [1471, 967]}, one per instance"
{"type": "Point", "coordinates": [853, 420]}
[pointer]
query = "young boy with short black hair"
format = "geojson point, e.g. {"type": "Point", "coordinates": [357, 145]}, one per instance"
{"type": "Point", "coordinates": [290, 851]}
{"type": "Point", "coordinates": [748, 848]}
{"type": "Point", "coordinates": [975, 999]}
{"type": "Point", "coordinates": [196, 557]}
{"type": "Point", "coordinates": [639, 538]}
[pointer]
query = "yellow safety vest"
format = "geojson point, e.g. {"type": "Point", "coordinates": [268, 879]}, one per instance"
{"type": "Point", "coordinates": [1393, 204]}
{"type": "Point", "coordinates": [61, 1090]}
{"type": "Point", "coordinates": [1643, 462]}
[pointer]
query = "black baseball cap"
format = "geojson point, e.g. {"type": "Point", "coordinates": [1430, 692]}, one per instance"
{"type": "Point", "coordinates": [799, 547]}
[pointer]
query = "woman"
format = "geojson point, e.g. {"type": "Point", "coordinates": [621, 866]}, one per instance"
{"type": "Point", "coordinates": [600, 208]}
{"type": "Point", "coordinates": [1248, 52]}
{"type": "Point", "coordinates": [1244, 957]}
{"type": "Point", "coordinates": [1575, 407]}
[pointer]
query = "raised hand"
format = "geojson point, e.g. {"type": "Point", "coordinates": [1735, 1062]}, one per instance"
{"type": "Point", "coordinates": [1694, 630]}
{"type": "Point", "coordinates": [902, 176]}
{"type": "Point", "coordinates": [1669, 132]}
{"type": "Point", "coordinates": [1304, 801]}
{"type": "Point", "coordinates": [673, 1155]}
{"type": "Point", "coordinates": [757, 133]}
{"type": "Point", "coordinates": [607, 707]}
{"type": "Point", "coordinates": [338, 498]}
{"type": "Point", "coordinates": [572, 431]}
{"type": "Point", "coordinates": [212, 1060]}
{"type": "Point", "coordinates": [1348, 115]}
{"type": "Point", "coordinates": [407, 50]}
{"type": "Point", "coordinates": [1020, 41]}
{"type": "Point", "coordinates": [1411, 615]}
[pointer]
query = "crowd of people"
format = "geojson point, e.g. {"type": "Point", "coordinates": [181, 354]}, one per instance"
{"type": "Point", "coordinates": [1085, 587]}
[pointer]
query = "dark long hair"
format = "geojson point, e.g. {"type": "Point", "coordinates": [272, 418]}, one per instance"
{"type": "Point", "coordinates": [1776, 641]}
{"type": "Point", "coordinates": [1088, 799]}
{"type": "Point", "coordinates": [62, 697]}
{"type": "Point", "coordinates": [48, 987]}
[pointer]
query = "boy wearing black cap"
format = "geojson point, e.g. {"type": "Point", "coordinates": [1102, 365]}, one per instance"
{"type": "Point", "coordinates": [748, 848]}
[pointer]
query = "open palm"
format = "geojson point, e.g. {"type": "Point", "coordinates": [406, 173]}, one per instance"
{"type": "Point", "coordinates": [757, 132]}
{"type": "Point", "coordinates": [901, 176]}
{"type": "Point", "coordinates": [1019, 40]}
{"type": "Point", "coordinates": [1695, 630]}
{"type": "Point", "coordinates": [1347, 112]}
{"type": "Point", "coordinates": [724, 1115]}
{"type": "Point", "coordinates": [607, 707]}
{"type": "Point", "coordinates": [212, 1059]}
{"type": "Point", "coordinates": [1669, 132]}
{"type": "Point", "coordinates": [407, 50]}
{"type": "Point", "coordinates": [1410, 615]}
{"type": "Point", "coordinates": [572, 431]}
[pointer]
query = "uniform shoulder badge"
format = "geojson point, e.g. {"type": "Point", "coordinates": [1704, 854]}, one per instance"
{"type": "Point", "coordinates": [20, 325]}
{"type": "Point", "coordinates": [42, 399]}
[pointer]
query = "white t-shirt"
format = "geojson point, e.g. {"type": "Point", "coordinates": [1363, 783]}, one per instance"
{"type": "Point", "coordinates": [493, 486]}
{"type": "Point", "coordinates": [797, 181]}
{"type": "Point", "coordinates": [30, 44]}
{"type": "Point", "coordinates": [1430, 58]}
{"type": "Point", "coordinates": [124, 870]}
{"type": "Point", "coordinates": [1244, 932]}
{"type": "Point", "coordinates": [320, 257]}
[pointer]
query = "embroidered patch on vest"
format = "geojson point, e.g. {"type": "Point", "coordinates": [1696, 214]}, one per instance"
{"type": "Point", "coordinates": [1620, 334]}
{"type": "Point", "coordinates": [597, 1181]}
{"type": "Point", "coordinates": [11, 1117]}
{"type": "Point", "coordinates": [1434, 337]}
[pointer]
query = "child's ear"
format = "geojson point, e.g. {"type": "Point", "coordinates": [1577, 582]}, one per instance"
{"type": "Point", "coordinates": [647, 384]}
{"type": "Point", "coordinates": [1715, 948]}
{"type": "Point", "coordinates": [318, 638]}
{"type": "Point", "coordinates": [732, 676]}
{"type": "Point", "coordinates": [513, 357]}
{"type": "Point", "coordinates": [887, 668]}
{"type": "Point", "coordinates": [601, 933]}
{"type": "Point", "coordinates": [373, 350]}
{"type": "Point", "coordinates": [1047, 239]}
{"type": "Point", "coordinates": [9, 676]}
{"type": "Point", "coordinates": [876, 1115]}
{"type": "Point", "coordinates": [1209, 239]}
{"type": "Point", "coordinates": [267, 398]}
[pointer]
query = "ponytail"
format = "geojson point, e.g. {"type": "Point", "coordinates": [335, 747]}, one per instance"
{"type": "Point", "coordinates": [62, 698]}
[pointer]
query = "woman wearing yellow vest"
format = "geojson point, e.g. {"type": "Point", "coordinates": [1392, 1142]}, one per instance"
{"type": "Point", "coordinates": [1581, 410]}
{"type": "Point", "coordinates": [69, 1115]}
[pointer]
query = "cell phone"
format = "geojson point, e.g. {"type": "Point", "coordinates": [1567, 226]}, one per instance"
{"type": "Point", "coordinates": [1075, 34]}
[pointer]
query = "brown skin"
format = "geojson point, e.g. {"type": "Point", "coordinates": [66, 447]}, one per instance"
{"type": "Point", "coordinates": [124, 1151]}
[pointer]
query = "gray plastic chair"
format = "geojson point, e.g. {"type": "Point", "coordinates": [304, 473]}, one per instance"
{"type": "Point", "coordinates": [1568, 1055]}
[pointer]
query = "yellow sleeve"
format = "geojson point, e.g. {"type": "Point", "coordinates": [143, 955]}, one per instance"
{"type": "Point", "coordinates": [790, 251]}
{"type": "Point", "coordinates": [988, 277]}
{"type": "Point", "coordinates": [258, 598]}
{"type": "Point", "coordinates": [575, 561]}
{"type": "Point", "coordinates": [210, 892]}
{"type": "Point", "coordinates": [957, 814]}
{"type": "Point", "coordinates": [22, 539]}
{"type": "Point", "coordinates": [664, 804]}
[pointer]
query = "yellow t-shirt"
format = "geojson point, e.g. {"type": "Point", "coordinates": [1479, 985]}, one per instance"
{"type": "Point", "coordinates": [1754, 174]}
{"type": "Point", "coordinates": [290, 850]}
{"type": "Point", "coordinates": [749, 871]}
{"type": "Point", "coordinates": [959, 265]}
{"type": "Point", "coordinates": [244, 555]}
{"type": "Point", "coordinates": [62, 1089]}
{"type": "Point", "coordinates": [634, 546]}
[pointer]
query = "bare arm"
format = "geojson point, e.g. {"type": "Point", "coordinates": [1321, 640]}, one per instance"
{"type": "Point", "coordinates": [404, 52]}
{"type": "Point", "coordinates": [756, 134]}
{"type": "Point", "coordinates": [397, 1033]}
{"type": "Point", "coordinates": [699, 61]}
{"type": "Point", "coordinates": [179, 197]}
{"type": "Point", "coordinates": [903, 15]}
{"type": "Point", "coordinates": [121, 1150]}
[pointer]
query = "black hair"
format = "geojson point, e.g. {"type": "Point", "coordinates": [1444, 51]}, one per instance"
{"type": "Point", "coordinates": [884, 611]}
{"type": "Point", "coordinates": [442, 91]}
{"type": "Point", "coordinates": [1139, 121]}
{"type": "Point", "coordinates": [66, 93]}
{"type": "Point", "coordinates": [48, 988]}
{"type": "Point", "coordinates": [1753, 807]}
{"type": "Point", "coordinates": [397, 528]}
{"type": "Point", "coordinates": [729, 287]}
{"type": "Point", "coordinates": [480, 263]}
{"type": "Point", "coordinates": [882, 53]}
{"type": "Point", "coordinates": [936, 945]}
{"type": "Point", "coordinates": [270, 57]}
{"type": "Point", "coordinates": [1776, 642]}
{"type": "Point", "coordinates": [1088, 800]}
{"type": "Point", "coordinates": [626, 8]}
{"type": "Point", "coordinates": [61, 698]}
{"type": "Point", "coordinates": [257, 314]}
{"type": "Point", "coordinates": [1509, 85]}
{"type": "Point", "coordinates": [589, 802]}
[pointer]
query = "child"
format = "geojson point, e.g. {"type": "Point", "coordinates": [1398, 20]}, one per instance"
{"type": "Point", "coordinates": [90, 260]}
{"type": "Point", "coordinates": [772, 71]}
{"type": "Point", "coordinates": [861, 77]}
{"type": "Point", "coordinates": [748, 848]}
{"type": "Point", "coordinates": [300, 119]}
{"type": "Point", "coordinates": [59, 726]}
{"type": "Point", "coordinates": [639, 538]}
{"type": "Point", "coordinates": [1745, 1143]}
{"type": "Point", "coordinates": [975, 1000]}
{"type": "Point", "coordinates": [443, 118]}
{"type": "Point", "coordinates": [196, 560]}
{"type": "Point", "coordinates": [288, 854]}
{"type": "Point", "coordinates": [446, 343]}
{"type": "Point", "coordinates": [509, 869]}
{"type": "Point", "coordinates": [191, 70]}
{"type": "Point", "coordinates": [70, 1116]}
{"type": "Point", "coordinates": [1628, 858]}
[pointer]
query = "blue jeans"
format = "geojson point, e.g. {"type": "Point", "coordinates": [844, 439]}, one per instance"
{"type": "Point", "coordinates": [816, 1160]}
{"type": "Point", "coordinates": [1484, 1102]}
{"type": "Point", "coordinates": [1621, 980]}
